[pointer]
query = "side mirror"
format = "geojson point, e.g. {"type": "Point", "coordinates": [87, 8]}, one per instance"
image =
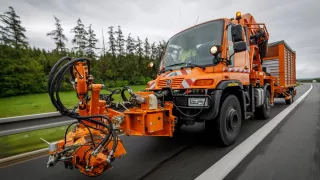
{"type": "Point", "coordinates": [237, 33]}
{"type": "Point", "coordinates": [239, 46]}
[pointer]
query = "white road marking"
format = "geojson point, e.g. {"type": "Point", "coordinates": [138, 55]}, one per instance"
{"type": "Point", "coordinates": [227, 163]}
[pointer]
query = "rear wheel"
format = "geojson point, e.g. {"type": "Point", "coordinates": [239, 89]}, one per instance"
{"type": "Point", "coordinates": [263, 112]}
{"type": "Point", "coordinates": [290, 101]}
{"type": "Point", "coordinates": [229, 121]}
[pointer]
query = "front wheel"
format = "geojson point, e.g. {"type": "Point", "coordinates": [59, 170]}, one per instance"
{"type": "Point", "coordinates": [229, 120]}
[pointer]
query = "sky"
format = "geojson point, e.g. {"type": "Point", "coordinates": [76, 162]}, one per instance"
{"type": "Point", "coordinates": [293, 21]}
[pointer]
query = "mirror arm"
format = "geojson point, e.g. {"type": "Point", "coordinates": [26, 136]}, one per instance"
{"type": "Point", "coordinates": [231, 55]}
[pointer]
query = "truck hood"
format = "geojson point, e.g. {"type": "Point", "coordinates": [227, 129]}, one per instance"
{"type": "Point", "coordinates": [177, 79]}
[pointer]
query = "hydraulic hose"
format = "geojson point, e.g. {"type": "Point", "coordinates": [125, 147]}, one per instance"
{"type": "Point", "coordinates": [123, 96]}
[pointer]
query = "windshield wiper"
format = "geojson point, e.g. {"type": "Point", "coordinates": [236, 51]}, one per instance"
{"type": "Point", "coordinates": [165, 70]}
{"type": "Point", "coordinates": [192, 65]}
{"type": "Point", "coordinates": [188, 65]}
{"type": "Point", "coordinates": [177, 64]}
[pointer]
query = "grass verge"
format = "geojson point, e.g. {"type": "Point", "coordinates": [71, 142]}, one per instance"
{"type": "Point", "coordinates": [40, 103]}
{"type": "Point", "coordinates": [29, 141]}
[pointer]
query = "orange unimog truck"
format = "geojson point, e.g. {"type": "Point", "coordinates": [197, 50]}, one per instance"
{"type": "Point", "coordinates": [219, 72]}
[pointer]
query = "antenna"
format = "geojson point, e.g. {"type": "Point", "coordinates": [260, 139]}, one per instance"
{"type": "Point", "coordinates": [180, 19]}
{"type": "Point", "coordinates": [196, 21]}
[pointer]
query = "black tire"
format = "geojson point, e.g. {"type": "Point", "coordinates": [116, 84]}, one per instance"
{"type": "Point", "coordinates": [263, 112]}
{"type": "Point", "coordinates": [292, 95]}
{"type": "Point", "coordinates": [290, 101]}
{"type": "Point", "coordinates": [210, 126]}
{"type": "Point", "coordinates": [229, 121]}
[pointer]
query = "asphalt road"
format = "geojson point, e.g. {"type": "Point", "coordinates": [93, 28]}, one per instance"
{"type": "Point", "coordinates": [291, 151]}
{"type": "Point", "coordinates": [165, 158]}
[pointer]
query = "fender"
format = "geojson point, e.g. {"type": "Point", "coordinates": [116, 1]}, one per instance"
{"type": "Point", "coordinates": [216, 98]}
{"type": "Point", "coordinates": [235, 83]}
{"type": "Point", "coordinates": [229, 83]}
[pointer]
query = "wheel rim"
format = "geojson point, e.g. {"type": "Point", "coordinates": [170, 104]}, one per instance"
{"type": "Point", "coordinates": [232, 120]}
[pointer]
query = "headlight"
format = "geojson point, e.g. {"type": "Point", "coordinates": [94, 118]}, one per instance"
{"type": "Point", "coordinates": [214, 50]}
{"type": "Point", "coordinates": [198, 102]}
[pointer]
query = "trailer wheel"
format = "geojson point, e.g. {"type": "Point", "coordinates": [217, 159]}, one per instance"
{"type": "Point", "coordinates": [290, 101]}
{"type": "Point", "coordinates": [229, 120]}
{"type": "Point", "coordinates": [263, 112]}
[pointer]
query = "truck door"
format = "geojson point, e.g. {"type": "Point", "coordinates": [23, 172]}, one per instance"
{"type": "Point", "coordinates": [242, 58]}
{"type": "Point", "coordinates": [239, 61]}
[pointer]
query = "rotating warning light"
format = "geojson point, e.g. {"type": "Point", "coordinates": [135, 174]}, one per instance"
{"type": "Point", "coordinates": [238, 15]}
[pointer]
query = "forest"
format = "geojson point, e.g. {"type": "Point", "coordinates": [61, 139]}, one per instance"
{"type": "Point", "coordinates": [24, 69]}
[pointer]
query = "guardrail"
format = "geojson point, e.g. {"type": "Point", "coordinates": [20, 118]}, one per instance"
{"type": "Point", "coordinates": [28, 117]}
{"type": "Point", "coordinates": [19, 124]}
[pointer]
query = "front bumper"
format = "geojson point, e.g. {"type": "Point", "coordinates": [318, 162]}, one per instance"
{"type": "Point", "coordinates": [209, 112]}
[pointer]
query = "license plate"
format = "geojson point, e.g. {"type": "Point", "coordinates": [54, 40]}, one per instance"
{"type": "Point", "coordinates": [197, 102]}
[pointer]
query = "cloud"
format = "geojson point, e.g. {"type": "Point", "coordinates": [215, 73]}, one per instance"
{"type": "Point", "coordinates": [292, 21]}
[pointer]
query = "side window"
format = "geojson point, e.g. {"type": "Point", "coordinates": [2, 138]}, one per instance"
{"type": "Point", "coordinates": [247, 38]}
{"type": "Point", "coordinates": [230, 46]}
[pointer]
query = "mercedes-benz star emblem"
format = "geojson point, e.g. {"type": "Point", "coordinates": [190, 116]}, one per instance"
{"type": "Point", "coordinates": [169, 82]}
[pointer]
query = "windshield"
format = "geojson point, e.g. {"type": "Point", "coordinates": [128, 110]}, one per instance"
{"type": "Point", "coordinates": [193, 46]}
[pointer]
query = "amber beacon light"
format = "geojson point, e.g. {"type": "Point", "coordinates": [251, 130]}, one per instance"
{"type": "Point", "coordinates": [238, 16]}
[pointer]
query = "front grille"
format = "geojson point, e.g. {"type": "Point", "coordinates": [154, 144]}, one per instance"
{"type": "Point", "coordinates": [174, 84]}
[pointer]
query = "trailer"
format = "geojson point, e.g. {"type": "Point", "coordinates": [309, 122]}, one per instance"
{"type": "Point", "coordinates": [280, 62]}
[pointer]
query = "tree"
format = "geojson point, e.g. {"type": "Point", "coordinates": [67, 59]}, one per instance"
{"type": "Point", "coordinates": [92, 40]}
{"type": "Point", "coordinates": [58, 36]}
{"type": "Point", "coordinates": [12, 33]}
{"type": "Point", "coordinates": [160, 48]}
{"type": "Point", "coordinates": [112, 43]}
{"type": "Point", "coordinates": [130, 45]}
{"type": "Point", "coordinates": [154, 51]}
{"type": "Point", "coordinates": [139, 50]}
{"type": "Point", "coordinates": [80, 38]}
{"type": "Point", "coordinates": [103, 45]}
{"type": "Point", "coordinates": [120, 42]}
{"type": "Point", "coordinates": [146, 48]}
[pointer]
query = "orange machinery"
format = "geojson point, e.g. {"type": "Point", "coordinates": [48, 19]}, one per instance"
{"type": "Point", "coordinates": [218, 72]}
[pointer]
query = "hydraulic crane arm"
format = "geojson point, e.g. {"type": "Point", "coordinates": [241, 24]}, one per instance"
{"type": "Point", "coordinates": [257, 33]}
